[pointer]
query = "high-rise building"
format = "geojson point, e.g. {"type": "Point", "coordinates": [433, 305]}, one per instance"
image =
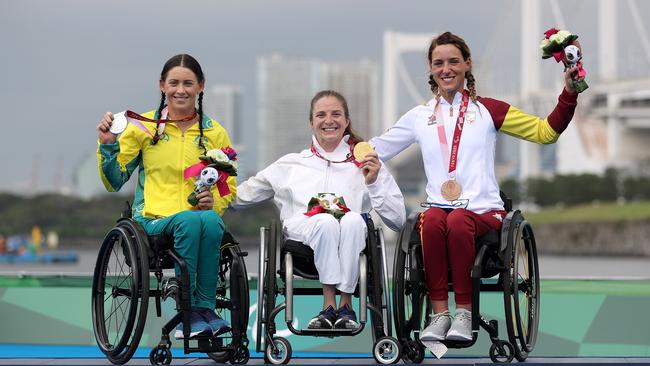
{"type": "Point", "coordinates": [285, 89]}
{"type": "Point", "coordinates": [223, 103]}
{"type": "Point", "coordinates": [358, 82]}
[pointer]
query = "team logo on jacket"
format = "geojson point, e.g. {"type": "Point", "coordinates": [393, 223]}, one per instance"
{"type": "Point", "coordinates": [470, 117]}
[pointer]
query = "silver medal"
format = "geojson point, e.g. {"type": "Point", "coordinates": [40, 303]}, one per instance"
{"type": "Point", "coordinates": [119, 123]}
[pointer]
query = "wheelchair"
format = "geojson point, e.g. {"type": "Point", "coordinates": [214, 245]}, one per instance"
{"type": "Point", "coordinates": [298, 259]}
{"type": "Point", "coordinates": [511, 254]}
{"type": "Point", "coordinates": [121, 292]}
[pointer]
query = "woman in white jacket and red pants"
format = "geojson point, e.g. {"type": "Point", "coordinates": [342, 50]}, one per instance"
{"type": "Point", "coordinates": [328, 166]}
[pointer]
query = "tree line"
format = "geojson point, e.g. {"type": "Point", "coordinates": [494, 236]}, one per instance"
{"type": "Point", "coordinates": [573, 189]}
{"type": "Point", "coordinates": [90, 219]}
{"type": "Point", "coordinates": [73, 217]}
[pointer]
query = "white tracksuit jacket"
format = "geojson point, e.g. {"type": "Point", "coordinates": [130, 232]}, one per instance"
{"type": "Point", "coordinates": [295, 178]}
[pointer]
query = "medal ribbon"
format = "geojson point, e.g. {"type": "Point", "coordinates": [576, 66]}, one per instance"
{"type": "Point", "coordinates": [137, 119]}
{"type": "Point", "coordinates": [458, 131]}
{"type": "Point", "coordinates": [349, 159]}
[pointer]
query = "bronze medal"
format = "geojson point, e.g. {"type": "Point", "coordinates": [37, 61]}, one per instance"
{"type": "Point", "coordinates": [451, 190]}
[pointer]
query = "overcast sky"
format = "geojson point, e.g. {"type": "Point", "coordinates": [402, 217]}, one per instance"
{"type": "Point", "coordinates": [64, 63]}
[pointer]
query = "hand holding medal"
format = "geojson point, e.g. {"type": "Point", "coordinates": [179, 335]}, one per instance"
{"type": "Point", "coordinates": [112, 125]}
{"type": "Point", "coordinates": [365, 154]}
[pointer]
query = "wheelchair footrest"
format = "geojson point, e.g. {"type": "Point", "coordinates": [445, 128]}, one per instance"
{"type": "Point", "coordinates": [206, 344]}
{"type": "Point", "coordinates": [327, 332]}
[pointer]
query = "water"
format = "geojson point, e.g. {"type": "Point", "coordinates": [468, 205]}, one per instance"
{"type": "Point", "coordinates": [551, 266]}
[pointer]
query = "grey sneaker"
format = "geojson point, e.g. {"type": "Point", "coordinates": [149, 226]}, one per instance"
{"type": "Point", "coordinates": [461, 327]}
{"type": "Point", "coordinates": [437, 328]}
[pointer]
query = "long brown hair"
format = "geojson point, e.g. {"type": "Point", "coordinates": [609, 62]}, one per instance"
{"type": "Point", "coordinates": [354, 137]}
{"type": "Point", "coordinates": [452, 39]}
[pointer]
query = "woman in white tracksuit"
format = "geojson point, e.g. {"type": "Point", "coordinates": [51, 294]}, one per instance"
{"type": "Point", "coordinates": [295, 180]}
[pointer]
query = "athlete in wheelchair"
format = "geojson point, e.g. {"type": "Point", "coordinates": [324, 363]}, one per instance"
{"type": "Point", "coordinates": [175, 223]}
{"type": "Point", "coordinates": [324, 194]}
{"type": "Point", "coordinates": [509, 253]}
{"type": "Point", "coordinates": [457, 134]}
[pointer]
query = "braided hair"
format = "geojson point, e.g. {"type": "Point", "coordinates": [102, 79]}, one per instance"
{"type": "Point", "coordinates": [450, 38]}
{"type": "Point", "coordinates": [189, 62]}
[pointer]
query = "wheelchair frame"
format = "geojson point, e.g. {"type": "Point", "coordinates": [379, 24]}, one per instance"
{"type": "Point", "coordinates": [372, 291]}
{"type": "Point", "coordinates": [127, 250]}
{"type": "Point", "coordinates": [512, 255]}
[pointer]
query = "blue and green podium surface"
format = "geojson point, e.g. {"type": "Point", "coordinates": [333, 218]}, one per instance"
{"type": "Point", "coordinates": [51, 317]}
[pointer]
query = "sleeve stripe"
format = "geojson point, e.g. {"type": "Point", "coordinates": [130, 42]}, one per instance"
{"type": "Point", "coordinates": [497, 109]}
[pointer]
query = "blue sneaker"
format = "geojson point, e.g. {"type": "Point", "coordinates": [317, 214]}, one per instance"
{"type": "Point", "coordinates": [324, 320]}
{"type": "Point", "coordinates": [346, 319]}
{"type": "Point", "coordinates": [198, 326]}
{"type": "Point", "coordinates": [218, 325]}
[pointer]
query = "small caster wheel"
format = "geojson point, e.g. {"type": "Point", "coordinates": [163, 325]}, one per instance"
{"type": "Point", "coordinates": [386, 350]}
{"type": "Point", "coordinates": [220, 357]}
{"type": "Point", "coordinates": [501, 352]}
{"type": "Point", "coordinates": [280, 355]}
{"type": "Point", "coordinates": [241, 356]}
{"type": "Point", "coordinates": [160, 355]}
{"type": "Point", "coordinates": [412, 352]}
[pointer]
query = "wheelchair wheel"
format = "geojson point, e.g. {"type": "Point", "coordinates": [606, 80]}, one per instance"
{"type": "Point", "coordinates": [160, 355]}
{"type": "Point", "coordinates": [375, 281]}
{"type": "Point", "coordinates": [266, 284]}
{"type": "Point", "coordinates": [386, 350]}
{"type": "Point", "coordinates": [120, 292]}
{"type": "Point", "coordinates": [280, 355]}
{"type": "Point", "coordinates": [232, 288]}
{"type": "Point", "coordinates": [409, 293]}
{"type": "Point", "coordinates": [501, 352]}
{"type": "Point", "coordinates": [521, 286]}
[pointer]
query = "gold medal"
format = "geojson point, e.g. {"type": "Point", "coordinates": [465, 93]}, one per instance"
{"type": "Point", "coordinates": [451, 190]}
{"type": "Point", "coordinates": [361, 149]}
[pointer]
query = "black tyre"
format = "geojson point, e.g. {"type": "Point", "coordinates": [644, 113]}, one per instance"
{"type": "Point", "coordinates": [501, 352]}
{"type": "Point", "coordinates": [160, 355]}
{"type": "Point", "coordinates": [120, 292]}
{"type": "Point", "coordinates": [386, 350]}
{"type": "Point", "coordinates": [279, 353]}
{"type": "Point", "coordinates": [521, 286]}
{"type": "Point", "coordinates": [232, 288]}
{"type": "Point", "coordinates": [241, 356]}
{"type": "Point", "coordinates": [412, 352]}
{"type": "Point", "coordinates": [409, 290]}
{"type": "Point", "coordinates": [375, 276]}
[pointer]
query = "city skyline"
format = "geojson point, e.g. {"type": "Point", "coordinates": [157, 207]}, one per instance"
{"type": "Point", "coordinates": [67, 62]}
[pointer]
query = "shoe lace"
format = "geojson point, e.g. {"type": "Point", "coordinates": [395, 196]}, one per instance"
{"type": "Point", "coordinates": [437, 318]}
{"type": "Point", "coordinates": [464, 316]}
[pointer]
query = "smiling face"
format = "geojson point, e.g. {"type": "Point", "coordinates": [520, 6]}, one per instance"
{"type": "Point", "coordinates": [181, 87]}
{"type": "Point", "coordinates": [328, 121]}
{"type": "Point", "coordinates": [448, 68]}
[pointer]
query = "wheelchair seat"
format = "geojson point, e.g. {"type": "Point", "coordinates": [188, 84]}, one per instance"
{"type": "Point", "coordinates": [296, 258]}
{"type": "Point", "coordinates": [303, 260]}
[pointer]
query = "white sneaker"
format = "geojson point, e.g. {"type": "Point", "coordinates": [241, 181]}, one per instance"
{"type": "Point", "coordinates": [461, 327]}
{"type": "Point", "coordinates": [437, 328]}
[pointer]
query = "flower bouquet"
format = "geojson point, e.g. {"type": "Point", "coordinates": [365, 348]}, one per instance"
{"type": "Point", "coordinates": [327, 203]}
{"type": "Point", "coordinates": [562, 46]}
{"type": "Point", "coordinates": [214, 168]}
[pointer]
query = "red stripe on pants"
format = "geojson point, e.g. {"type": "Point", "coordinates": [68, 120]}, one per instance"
{"type": "Point", "coordinates": [448, 241]}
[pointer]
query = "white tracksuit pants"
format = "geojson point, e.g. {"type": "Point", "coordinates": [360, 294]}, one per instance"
{"type": "Point", "coordinates": [336, 245]}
